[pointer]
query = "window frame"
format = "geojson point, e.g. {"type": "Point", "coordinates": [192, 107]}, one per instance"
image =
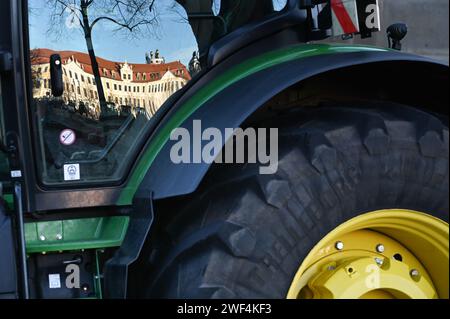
{"type": "Point", "coordinates": [3, 155]}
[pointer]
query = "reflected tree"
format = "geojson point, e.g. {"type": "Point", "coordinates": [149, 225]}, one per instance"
{"type": "Point", "coordinates": [35, 73]}
{"type": "Point", "coordinates": [126, 15]}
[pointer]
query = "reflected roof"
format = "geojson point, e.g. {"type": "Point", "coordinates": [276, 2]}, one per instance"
{"type": "Point", "coordinates": [42, 56]}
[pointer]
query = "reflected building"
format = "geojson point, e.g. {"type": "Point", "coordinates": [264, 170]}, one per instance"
{"type": "Point", "coordinates": [144, 86]}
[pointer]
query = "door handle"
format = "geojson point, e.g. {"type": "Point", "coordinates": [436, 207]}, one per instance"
{"type": "Point", "coordinates": [56, 75]}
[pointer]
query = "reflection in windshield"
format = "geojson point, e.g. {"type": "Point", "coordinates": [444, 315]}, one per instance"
{"type": "Point", "coordinates": [129, 87]}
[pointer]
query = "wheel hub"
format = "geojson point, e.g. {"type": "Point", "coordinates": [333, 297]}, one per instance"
{"type": "Point", "coordinates": [375, 256]}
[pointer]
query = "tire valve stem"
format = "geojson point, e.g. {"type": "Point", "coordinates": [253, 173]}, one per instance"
{"type": "Point", "coordinates": [339, 245]}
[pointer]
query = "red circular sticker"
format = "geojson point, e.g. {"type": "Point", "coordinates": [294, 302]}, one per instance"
{"type": "Point", "coordinates": [67, 137]}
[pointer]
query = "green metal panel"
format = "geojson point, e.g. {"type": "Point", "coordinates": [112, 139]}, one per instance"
{"type": "Point", "coordinates": [233, 75]}
{"type": "Point", "coordinates": [74, 234]}
{"type": "Point", "coordinates": [9, 199]}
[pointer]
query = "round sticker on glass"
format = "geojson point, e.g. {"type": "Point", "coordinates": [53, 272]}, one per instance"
{"type": "Point", "coordinates": [67, 137]}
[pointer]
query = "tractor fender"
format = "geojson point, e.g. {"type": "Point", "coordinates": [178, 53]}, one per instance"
{"type": "Point", "coordinates": [237, 102]}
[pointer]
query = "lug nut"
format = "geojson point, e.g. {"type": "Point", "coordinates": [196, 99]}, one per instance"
{"type": "Point", "coordinates": [339, 245]}
{"type": "Point", "coordinates": [414, 273]}
{"type": "Point", "coordinates": [380, 248]}
{"type": "Point", "coordinates": [379, 261]}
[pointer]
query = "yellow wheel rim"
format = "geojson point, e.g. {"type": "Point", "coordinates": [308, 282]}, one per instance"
{"type": "Point", "coordinates": [390, 253]}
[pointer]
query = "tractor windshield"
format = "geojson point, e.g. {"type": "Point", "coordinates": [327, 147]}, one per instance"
{"type": "Point", "coordinates": [119, 62]}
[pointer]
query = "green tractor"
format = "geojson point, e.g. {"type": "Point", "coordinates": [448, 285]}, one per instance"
{"type": "Point", "coordinates": [242, 158]}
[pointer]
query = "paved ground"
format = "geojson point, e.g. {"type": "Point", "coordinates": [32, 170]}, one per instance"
{"type": "Point", "coordinates": [428, 22]}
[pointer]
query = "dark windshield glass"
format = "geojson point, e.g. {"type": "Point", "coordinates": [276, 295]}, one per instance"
{"type": "Point", "coordinates": [210, 20]}
{"type": "Point", "coordinates": [121, 60]}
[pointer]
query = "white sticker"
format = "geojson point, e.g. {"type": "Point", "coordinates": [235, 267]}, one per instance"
{"type": "Point", "coordinates": [16, 174]}
{"type": "Point", "coordinates": [67, 137]}
{"type": "Point", "coordinates": [71, 172]}
{"type": "Point", "coordinates": [54, 281]}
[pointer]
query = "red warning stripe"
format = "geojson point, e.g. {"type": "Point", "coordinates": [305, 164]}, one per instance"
{"type": "Point", "coordinates": [344, 18]}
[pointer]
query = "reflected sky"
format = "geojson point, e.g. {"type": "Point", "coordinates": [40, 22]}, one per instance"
{"type": "Point", "coordinates": [173, 35]}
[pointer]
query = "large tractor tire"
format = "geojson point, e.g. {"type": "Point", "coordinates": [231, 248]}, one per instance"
{"type": "Point", "coordinates": [359, 208]}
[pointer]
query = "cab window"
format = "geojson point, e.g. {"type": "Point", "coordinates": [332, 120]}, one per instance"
{"type": "Point", "coordinates": [114, 54]}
